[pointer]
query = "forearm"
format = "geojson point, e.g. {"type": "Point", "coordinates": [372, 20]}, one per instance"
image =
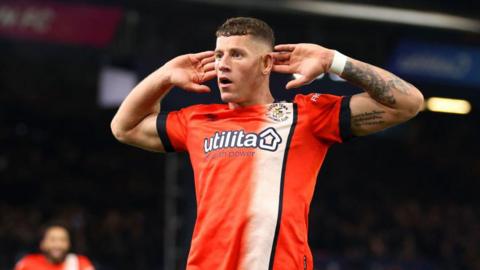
{"type": "Point", "coordinates": [383, 86]}
{"type": "Point", "coordinates": [142, 101]}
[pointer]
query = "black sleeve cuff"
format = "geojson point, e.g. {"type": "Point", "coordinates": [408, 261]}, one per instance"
{"type": "Point", "coordinates": [345, 119]}
{"type": "Point", "coordinates": [162, 132]}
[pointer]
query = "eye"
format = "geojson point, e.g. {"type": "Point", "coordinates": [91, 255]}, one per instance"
{"type": "Point", "coordinates": [236, 54]}
{"type": "Point", "coordinates": [218, 56]}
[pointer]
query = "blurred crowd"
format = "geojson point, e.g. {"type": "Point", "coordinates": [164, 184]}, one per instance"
{"type": "Point", "coordinates": [405, 235]}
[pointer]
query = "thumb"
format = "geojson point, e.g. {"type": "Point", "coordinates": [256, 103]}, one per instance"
{"type": "Point", "coordinates": [296, 83]}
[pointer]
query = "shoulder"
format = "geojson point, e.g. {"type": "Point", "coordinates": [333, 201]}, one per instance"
{"type": "Point", "coordinates": [28, 260]}
{"type": "Point", "coordinates": [32, 257]}
{"type": "Point", "coordinates": [84, 263]}
{"type": "Point", "coordinates": [201, 109]}
{"type": "Point", "coordinates": [316, 99]}
{"type": "Point", "coordinates": [204, 107]}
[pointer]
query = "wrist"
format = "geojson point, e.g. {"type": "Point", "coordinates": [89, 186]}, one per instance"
{"type": "Point", "coordinates": [163, 76]}
{"type": "Point", "coordinates": [337, 63]}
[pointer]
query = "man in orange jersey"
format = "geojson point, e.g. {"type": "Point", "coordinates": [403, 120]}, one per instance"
{"type": "Point", "coordinates": [256, 160]}
{"type": "Point", "coordinates": [54, 246]}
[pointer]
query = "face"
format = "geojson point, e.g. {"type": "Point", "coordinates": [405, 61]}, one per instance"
{"type": "Point", "coordinates": [55, 244]}
{"type": "Point", "coordinates": [243, 66]}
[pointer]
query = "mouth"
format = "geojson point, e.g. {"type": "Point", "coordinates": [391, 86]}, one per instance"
{"type": "Point", "coordinates": [224, 82]}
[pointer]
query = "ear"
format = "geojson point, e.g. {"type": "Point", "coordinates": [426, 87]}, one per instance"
{"type": "Point", "coordinates": [267, 63]}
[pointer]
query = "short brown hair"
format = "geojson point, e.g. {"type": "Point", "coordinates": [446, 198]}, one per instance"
{"type": "Point", "coordinates": [240, 26]}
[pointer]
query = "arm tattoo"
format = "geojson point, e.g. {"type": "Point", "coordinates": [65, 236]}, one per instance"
{"type": "Point", "coordinates": [380, 87]}
{"type": "Point", "coordinates": [368, 119]}
{"type": "Point", "coordinates": [400, 85]}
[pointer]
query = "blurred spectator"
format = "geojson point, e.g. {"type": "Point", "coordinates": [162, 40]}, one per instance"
{"type": "Point", "coordinates": [54, 247]}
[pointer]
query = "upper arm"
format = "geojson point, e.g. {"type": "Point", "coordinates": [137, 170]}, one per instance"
{"type": "Point", "coordinates": [369, 116]}
{"type": "Point", "coordinates": [144, 135]}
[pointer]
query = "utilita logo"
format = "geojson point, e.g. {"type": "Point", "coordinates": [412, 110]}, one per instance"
{"type": "Point", "coordinates": [268, 139]}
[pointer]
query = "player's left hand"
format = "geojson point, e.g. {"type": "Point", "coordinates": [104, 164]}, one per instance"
{"type": "Point", "coordinates": [306, 60]}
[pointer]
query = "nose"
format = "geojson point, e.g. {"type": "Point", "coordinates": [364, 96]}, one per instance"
{"type": "Point", "coordinates": [223, 64]}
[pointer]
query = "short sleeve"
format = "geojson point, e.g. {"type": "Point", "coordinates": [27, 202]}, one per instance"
{"type": "Point", "coordinates": [172, 130]}
{"type": "Point", "coordinates": [329, 116]}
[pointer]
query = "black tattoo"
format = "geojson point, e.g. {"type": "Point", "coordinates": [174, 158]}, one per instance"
{"type": "Point", "coordinates": [379, 87]}
{"type": "Point", "coordinates": [400, 85]}
{"type": "Point", "coordinates": [368, 119]}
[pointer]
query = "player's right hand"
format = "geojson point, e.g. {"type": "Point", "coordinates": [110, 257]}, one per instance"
{"type": "Point", "coordinates": [190, 71]}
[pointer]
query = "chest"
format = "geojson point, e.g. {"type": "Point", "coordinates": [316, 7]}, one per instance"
{"type": "Point", "coordinates": [212, 133]}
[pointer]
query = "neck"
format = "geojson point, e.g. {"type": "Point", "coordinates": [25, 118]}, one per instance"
{"type": "Point", "coordinates": [264, 96]}
{"type": "Point", "coordinates": [54, 261]}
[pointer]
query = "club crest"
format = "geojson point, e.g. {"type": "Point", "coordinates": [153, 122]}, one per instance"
{"type": "Point", "coordinates": [278, 112]}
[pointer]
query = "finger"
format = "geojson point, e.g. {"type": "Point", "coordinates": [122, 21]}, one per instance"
{"type": "Point", "coordinates": [198, 88]}
{"type": "Point", "coordinates": [282, 63]}
{"type": "Point", "coordinates": [202, 55]}
{"type": "Point", "coordinates": [282, 68]}
{"type": "Point", "coordinates": [209, 67]}
{"type": "Point", "coordinates": [302, 80]}
{"type": "Point", "coordinates": [285, 47]}
{"type": "Point", "coordinates": [209, 75]}
{"type": "Point", "coordinates": [285, 63]}
{"type": "Point", "coordinates": [280, 57]}
{"type": "Point", "coordinates": [208, 60]}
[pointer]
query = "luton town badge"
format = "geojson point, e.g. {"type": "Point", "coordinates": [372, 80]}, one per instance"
{"type": "Point", "coordinates": [278, 112]}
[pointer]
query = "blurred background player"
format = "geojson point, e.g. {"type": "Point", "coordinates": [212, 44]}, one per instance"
{"type": "Point", "coordinates": [55, 246]}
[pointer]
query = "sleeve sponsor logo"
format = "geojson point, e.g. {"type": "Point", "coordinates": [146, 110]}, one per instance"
{"type": "Point", "coordinates": [315, 97]}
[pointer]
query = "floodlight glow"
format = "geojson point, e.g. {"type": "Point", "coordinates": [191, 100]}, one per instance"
{"type": "Point", "coordinates": [448, 105]}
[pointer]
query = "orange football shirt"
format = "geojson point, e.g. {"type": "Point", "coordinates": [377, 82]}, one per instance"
{"type": "Point", "coordinates": [255, 171]}
{"type": "Point", "coordinates": [40, 262]}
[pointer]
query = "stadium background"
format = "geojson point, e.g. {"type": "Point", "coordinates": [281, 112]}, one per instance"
{"type": "Point", "coordinates": [406, 198]}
